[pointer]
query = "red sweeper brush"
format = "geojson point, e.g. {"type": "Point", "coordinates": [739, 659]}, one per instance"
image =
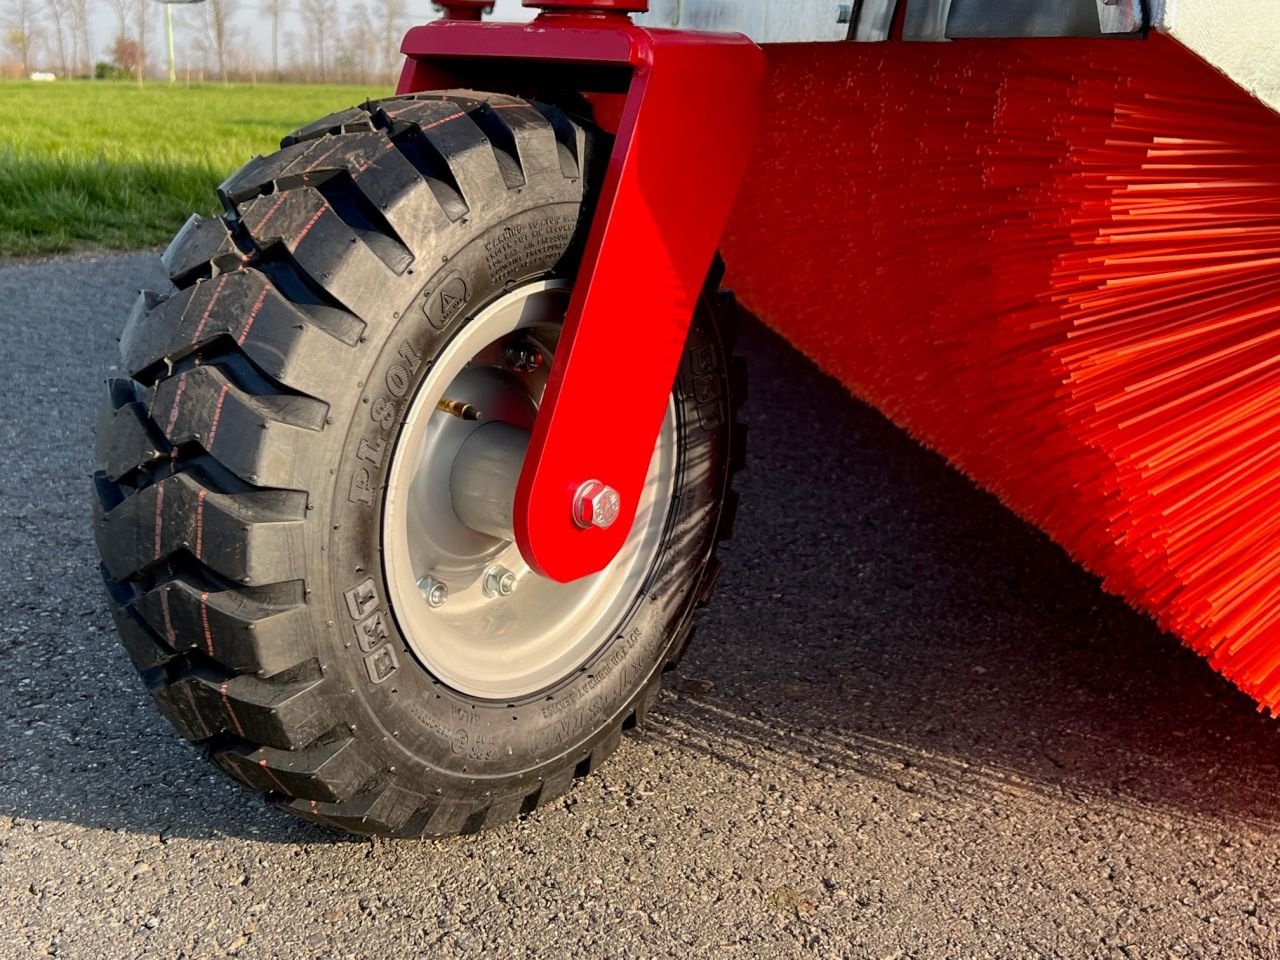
{"type": "Point", "coordinates": [1058, 265]}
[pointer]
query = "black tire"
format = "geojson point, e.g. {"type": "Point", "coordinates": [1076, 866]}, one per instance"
{"type": "Point", "coordinates": [238, 512]}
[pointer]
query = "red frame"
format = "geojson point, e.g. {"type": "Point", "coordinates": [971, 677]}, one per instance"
{"type": "Point", "coordinates": [683, 139]}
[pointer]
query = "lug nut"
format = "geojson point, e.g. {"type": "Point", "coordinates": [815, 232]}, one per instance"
{"type": "Point", "coordinates": [596, 504]}
{"type": "Point", "coordinates": [499, 582]}
{"type": "Point", "coordinates": [435, 591]}
{"type": "Point", "coordinates": [524, 357]}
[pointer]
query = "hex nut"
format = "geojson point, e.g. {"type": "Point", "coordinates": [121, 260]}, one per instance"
{"type": "Point", "coordinates": [436, 592]}
{"type": "Point", "coordinates": [596, 504]}
{"type": "Point", "coordinates": [499, 582]}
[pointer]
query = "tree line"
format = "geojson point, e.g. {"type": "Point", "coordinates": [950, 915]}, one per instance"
{"type": "Point", "coordinates": [212, 40]}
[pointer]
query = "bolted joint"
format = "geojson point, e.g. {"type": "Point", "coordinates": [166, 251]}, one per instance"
{"type": "Point", "coordinates": [596, 504]}
{"type": "Point", "coordinates": [524, 357]}
{"type": "Point", "coordinates": [436, 592]}
{"type": "Point", "coordinates": [499, 582]}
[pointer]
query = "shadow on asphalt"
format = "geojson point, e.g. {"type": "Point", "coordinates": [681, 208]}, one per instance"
{"type": "Point", "coordinates": [878, 617]}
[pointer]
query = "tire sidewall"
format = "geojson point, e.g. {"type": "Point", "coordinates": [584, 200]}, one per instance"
{"type": "Point", "coordinates": [421, 726]}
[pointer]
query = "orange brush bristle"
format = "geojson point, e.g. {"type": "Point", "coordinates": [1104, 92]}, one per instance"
{"type": "Point", "coordinates": [1058, 263]}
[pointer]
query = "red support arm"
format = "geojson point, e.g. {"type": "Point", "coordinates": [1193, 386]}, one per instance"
{"type": "Point", "coordinates": [680, 153]}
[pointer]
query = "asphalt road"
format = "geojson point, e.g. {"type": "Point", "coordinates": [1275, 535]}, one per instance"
{"type": "Point", "coordinates": [908, 727]}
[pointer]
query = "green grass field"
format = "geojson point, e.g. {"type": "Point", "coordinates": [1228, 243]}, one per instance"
{"type": "Point", "coordinates": [108, 165]}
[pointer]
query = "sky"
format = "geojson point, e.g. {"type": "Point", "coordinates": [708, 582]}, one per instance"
{"type": "Point", "coordinates": [255, 27]}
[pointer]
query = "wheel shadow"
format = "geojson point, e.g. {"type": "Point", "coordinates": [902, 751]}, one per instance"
{"type": "Point", "coordinates": [879, 616]}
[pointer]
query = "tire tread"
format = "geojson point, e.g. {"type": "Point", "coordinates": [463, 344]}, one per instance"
{"type": "Point", "coordinates": [201, 504]}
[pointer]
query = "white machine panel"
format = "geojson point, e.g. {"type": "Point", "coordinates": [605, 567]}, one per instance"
{"type": "Point", "coordinates": [765, 21]}
{"type": "Point", "coordinates": [789, 21]}
{"type": "Point", "coordinates": [1239, 37]}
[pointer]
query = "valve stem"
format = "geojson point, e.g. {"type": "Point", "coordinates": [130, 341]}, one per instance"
{"type": "Point", "coordinates": [458, 408]}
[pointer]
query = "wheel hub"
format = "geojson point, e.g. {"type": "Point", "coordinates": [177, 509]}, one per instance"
{"type": "Point", "coordinates": [501, 631]}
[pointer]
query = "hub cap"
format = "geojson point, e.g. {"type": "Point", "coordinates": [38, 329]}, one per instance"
{"type": "Point", "coordinates": [511, 637]}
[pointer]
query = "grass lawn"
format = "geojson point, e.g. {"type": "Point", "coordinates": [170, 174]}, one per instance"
{"type": "Point", "coordinates": [98, 164]}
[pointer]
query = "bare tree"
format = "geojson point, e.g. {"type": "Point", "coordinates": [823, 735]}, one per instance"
{"type": "Point", "coordinates": [359, 47]}
{"type": "Point", "coordinates": [142, 32]}
{"type": "Point", "coordinates": [390, 17]}
{"type": "Point", "coordinates": [219, 30]}
{"type": "Point", "coordinates": [20, 32]}
{"type": "Point", "coordinates": [121, 9]}
{"type": "Point", "coordinates": [295, 56]}
{"type": "Point", "coordinates": [60, 16]}
{"type": "Point", "coordinates": [275, 9]}
{"type": "Point", "coordinates": [318, 15]}
{"type": "Point", "coordinates": [81, 35]}
{"type": "Point", "coordinates": [188, 24]}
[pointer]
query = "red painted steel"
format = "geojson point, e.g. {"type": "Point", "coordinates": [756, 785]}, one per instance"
{"type": "Point", "coordinates": [682, 146]}
{"type": "Point", "coordinates": [1056, 263]}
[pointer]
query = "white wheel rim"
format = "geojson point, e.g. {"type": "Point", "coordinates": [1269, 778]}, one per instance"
{"type": "Point", "coordinates": [486, 646]}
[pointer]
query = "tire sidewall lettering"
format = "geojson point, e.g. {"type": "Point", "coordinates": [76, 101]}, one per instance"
{"type": "Point", "coordinates": [422, 720]}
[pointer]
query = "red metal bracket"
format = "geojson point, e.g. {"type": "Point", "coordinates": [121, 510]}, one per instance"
{"type": "Point", "coordinates": [683, 140]}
